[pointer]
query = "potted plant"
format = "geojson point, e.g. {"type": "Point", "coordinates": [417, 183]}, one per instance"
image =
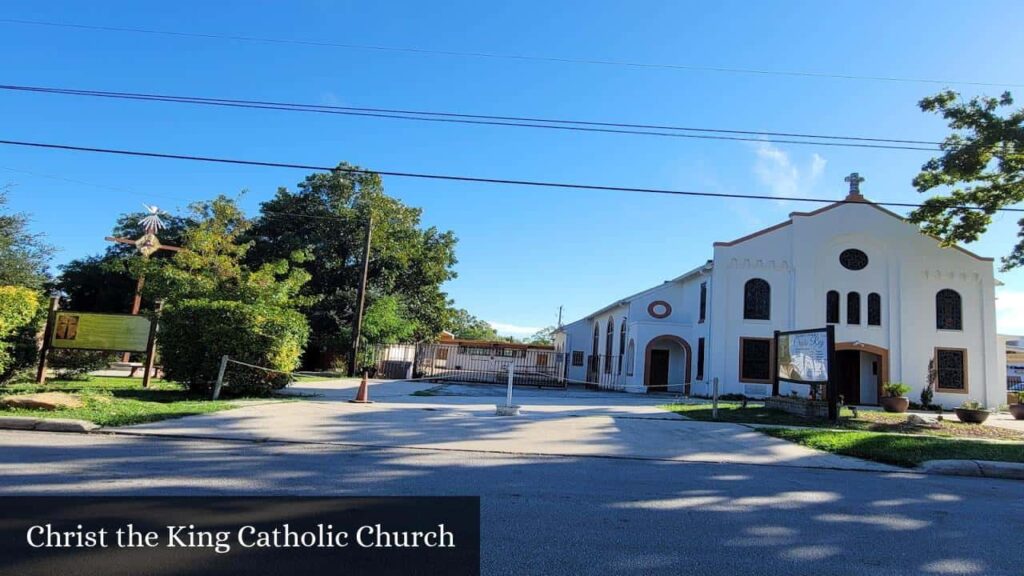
{"type": "Point", "coordinates": [1017, 410]}
{"type": "Point", "coordinates": [895, 398]}
{"type": "Point", "coordinates": [972, 412]}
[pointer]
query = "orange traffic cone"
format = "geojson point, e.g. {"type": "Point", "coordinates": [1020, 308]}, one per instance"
{"type": "Point", "coordinates": [363, 396]}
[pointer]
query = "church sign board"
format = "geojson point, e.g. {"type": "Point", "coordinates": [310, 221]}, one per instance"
{"type": "Point", "coordinates": [92, 331]}
{"type": "Point", "coordinates": [69, 330]}
{"type": "Point", "coordinates": [808, 357]}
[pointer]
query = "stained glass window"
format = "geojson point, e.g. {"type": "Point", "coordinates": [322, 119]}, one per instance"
{"type": "Point", "coordinates": [832, 307]}
{"type": "Point", "coordinates": [755, 359]}
{"type": "Point", "coordinates": [757, 298]}
{"type": "Point", "coordinates": [948, 310]}
{"type": "Point", "coordinates": [853, 259]}
{"type": "Point", "coordinates": [950, 370]}
{"type": "Point", "coordinates": [853, 308]}
{"type": "Point", "coordinates": [874, 309]}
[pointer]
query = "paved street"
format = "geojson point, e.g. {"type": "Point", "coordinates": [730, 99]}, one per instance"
{"type": "Point", "coordinates": [696, 512]}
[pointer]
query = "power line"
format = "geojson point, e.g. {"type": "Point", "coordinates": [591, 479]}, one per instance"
{"type": "Point", "coordinates": [456, 178]}
{"type": "Point", "coordinates": [500, 56]}
{"type": "Point", "coordinates": [514, 121]}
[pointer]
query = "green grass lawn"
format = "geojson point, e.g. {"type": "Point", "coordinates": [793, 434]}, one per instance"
{"type": "Point", "coordinates": [901, 450]}
{"type": "Point", "coordinates": [113, 401]}
{"type": "Point", "coordinates": [866, 421]}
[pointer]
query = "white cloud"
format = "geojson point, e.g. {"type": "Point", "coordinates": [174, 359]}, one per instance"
{"type": "Point", "coordinates": [513, 329]}
{"type": "Point", "coordinates": [1010, 312]}
{"type": "Point", "coordinates": [777, 171]}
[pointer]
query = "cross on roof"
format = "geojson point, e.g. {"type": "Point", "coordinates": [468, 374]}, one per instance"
{"type": "Point", "coordinates": [854, 179]}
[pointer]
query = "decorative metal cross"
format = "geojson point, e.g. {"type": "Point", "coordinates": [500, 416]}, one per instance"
{"type": "Point", "coordinates": [854, 179]}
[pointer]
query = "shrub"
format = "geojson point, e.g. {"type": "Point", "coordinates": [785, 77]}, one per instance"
{"type": "Point", "coordinates": [895, 389]}
{"type": "Point", "coordinates": [972, 405]}
{"type": "Point", "coordinates": [18, 308]}
{"type": "Point", "coordinates": [194, 334]}
{"type": "Point", "coordinates": [76, 364]}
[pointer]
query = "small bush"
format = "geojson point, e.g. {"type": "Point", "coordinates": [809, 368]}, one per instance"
{"type": "Point", "coordinates": [895, 389]}
{"type": "Point", "coordinates": [972, 405]}
{"type": "Point", "coordinates": [194, 334]}
{"type": "Point", "coordinates": [18, 308]}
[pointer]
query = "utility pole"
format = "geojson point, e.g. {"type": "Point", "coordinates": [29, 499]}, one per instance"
{"type": "Point", "coordinates": [357, 326]}
{"type": "Point", "coordinates": [559, 316]}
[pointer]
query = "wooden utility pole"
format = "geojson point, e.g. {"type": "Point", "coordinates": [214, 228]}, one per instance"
{"type": "Point", "coordinates": [357, 326]}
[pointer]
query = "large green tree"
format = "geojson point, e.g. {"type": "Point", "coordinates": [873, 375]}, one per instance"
{"type": "Point", "coordinates": [326, 217]}
{"type": "Point", "coordinates": [982, 165]}
{"type": "Point", "coordinates": [24, 255]}
{"type": "Point", "coordinates": [465, 326]}
{"type": "Point", "coordinates": [106, 283]}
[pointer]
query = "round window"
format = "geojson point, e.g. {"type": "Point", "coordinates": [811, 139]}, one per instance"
{"type": "Point", "coordinates": [853, 259]}
{"type": "Point", "coordinates": [659, 309]}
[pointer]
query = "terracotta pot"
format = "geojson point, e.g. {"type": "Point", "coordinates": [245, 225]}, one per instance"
{"type": "Point", "coordinates": [895, 403]}
{"type": "Point", "coordinates": [972, 416]}
{"type": "Point", "coordinates": [1017, 411]}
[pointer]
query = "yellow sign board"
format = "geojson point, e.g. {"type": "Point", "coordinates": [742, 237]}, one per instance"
{"type": "Point", "coordinates": [93, 331]}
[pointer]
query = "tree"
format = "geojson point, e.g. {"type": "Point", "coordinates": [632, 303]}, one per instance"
{"type": "Point", "coordinates": [543, 337]}
{"type": "Point", "coordinates": [385, 322]}
{"type": "Point", "coordinates": [106, 283]}
{"type": "Point", "coordinates": [982, 164]}
{"type": "Point", "coordinates": [465, 326]}
{"type": "Point", "coordinates": [217, 305]}
{"type": "Point", "coordinates": [24, 256]}
{"type": "Point", "coordinates": [326, 217]}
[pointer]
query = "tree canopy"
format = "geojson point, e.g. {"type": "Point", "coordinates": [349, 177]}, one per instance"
{"type": "Point", "coordinates": [326, 217]}
{"type": "Point", "coordinates": [982, 165]}
{"type": "Point", "coordinates": [465, 326]}
{"type": "Point", "coordinates": [24, 256]}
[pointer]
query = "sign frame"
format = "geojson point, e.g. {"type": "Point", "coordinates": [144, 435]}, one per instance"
{"type": "Point", "coordinates": [51, 327]}
{"type": "Point", "coordinates": [831, 384]}
{"type": "Point", "coordinates": [58, 313]}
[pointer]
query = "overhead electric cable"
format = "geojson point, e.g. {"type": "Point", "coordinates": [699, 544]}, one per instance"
{"type": "Point", "coordinates": [458, 178]}
{"type": "Point", "coordinates": [495, 55]}
{"type": "Point", "coordinates": [514, 121]}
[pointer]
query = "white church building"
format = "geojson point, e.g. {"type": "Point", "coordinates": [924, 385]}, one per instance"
{"type": "Point", "coordinates": [904, 308]}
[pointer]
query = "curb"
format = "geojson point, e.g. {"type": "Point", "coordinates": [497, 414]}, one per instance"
{"type": "Point", "coordinates": [978, 468]}
{"type": "Point", "coordinates": [46, 425]}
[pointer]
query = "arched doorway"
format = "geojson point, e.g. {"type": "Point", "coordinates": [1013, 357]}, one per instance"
{"type": "Point", "coordinates": [861, 371]}
{"type": "Point", "coordinates": [667, 363]}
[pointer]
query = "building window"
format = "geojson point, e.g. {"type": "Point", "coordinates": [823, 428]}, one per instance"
{"type": "Point", "coordinates": [948, 310]}
{"type": "Point", "coordinates": [832, 307]}
{"type": "Point", "coordinates": [853, 259]}
{"type": "Point", "coordinates": [577, 357]}
{"type": "Point", "coordinates": [951, 370]}
{"type": "Point", "coordinates": [853, 308]}
{"type": "Point", "coordinates": [755, 360]}
{"type": "Point", "coordinates": [609, 334]}
{"type": "Point", "coordinates": [874, 309]}
{"type": "Point", "coordinates": [703, 302]}
{"type": "Point", "coordinates": [700, 359]}
{"type": "Point", "coordinates": [622, 343]}
{"type": "Point", "coordinates": [597, 339]}
{"type": "Point", "coordinates": [630, 357]}
{"type": "Point", "coordinates": [757, 298]}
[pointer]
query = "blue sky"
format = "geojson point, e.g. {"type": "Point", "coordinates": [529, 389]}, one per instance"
{"type": "Point", "coordinates": [522, 252]}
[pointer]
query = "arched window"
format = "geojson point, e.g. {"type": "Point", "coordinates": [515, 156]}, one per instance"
{"type": "Point", "coordinates": [832, 307]}
{"type": "Point", "coordinates": [630, 357]}
{"type": "Point", "coordinates": [609, 334]}
{"type": "Point", "coordinates": [948, 310]}
{"type": "Point", "coordinates": [874, 309]}
{"type": "Point", "coordinates": [853, 308]}
{"type": "Point", "coordinates": [622, 343]}
{"type": "Point", "coordinates": [757, 300]}
{"type": "Point", "coordinates": [593, 356]}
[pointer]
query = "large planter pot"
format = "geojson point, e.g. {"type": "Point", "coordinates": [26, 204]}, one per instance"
{"type": "Point", "coordinates": [1017, 411]}
{"type": "Point", "coordinates": [972, 416]}
{"type": "Point", "coordinates": [894, 403]}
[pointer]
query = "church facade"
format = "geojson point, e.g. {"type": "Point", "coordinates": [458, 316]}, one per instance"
{"type": "Point", "coordinates": [904, 308]}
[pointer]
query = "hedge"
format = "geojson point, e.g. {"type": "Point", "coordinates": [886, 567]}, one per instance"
{"type": "Point", "coordinates": [194, 334]}
{"type": "Point", "coordinates": [18, 308]}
